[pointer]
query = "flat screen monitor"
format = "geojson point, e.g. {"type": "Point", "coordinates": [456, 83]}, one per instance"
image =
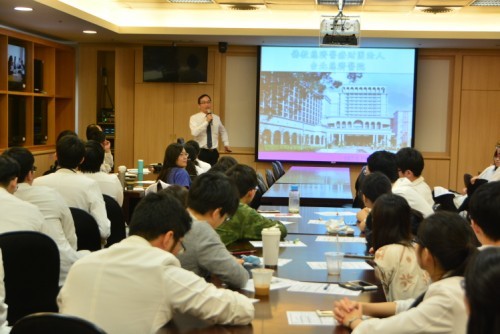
{"type": "Point", "coordinates": [183, 64]}
{"type": "Point", "coordinates": [16, 66]}
{"type": "Point", "coordinates": [335, 105]}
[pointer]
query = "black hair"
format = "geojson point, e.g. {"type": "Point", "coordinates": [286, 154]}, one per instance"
{"type": "Point", "coordinates": [157, 214]}
{"type": "Point", "coordinates": [213, 190]}
{"type": "Point", "coordinates": [191, 163]}
{"type": "Point", "coordinates": [24, 158]}
{"type": "Point", "coordinates": [196, 147]}
{"type": "Point", "coordinates": [482, 292]}
{"type": "Point", "coordinates": [384, 162]}
{"type": "Point", "coordinates": [391, 221]}
{"type": "Point", "coordinates": [65, 133]}
{"type": "Point", "coordinates": [374, 185]}
{"type": "Point", "coordinates": [202, 96]}
{"type": "Point", "coordinates": [484, 209]}
{"type": "Point", "coordinates": [411, 159]}
{"type": "Point", "coordinates": [179, 192]}
{"type": "Point", "coordinates": [450, 240]}
{"type": "Point", "coordinates": [172, 152]}
{"type": "Point", "coordinates": [94, 156]}
{"type": "Point", "coordinates": [70, 151]}
{"type": "Point", "coordinates": [244, 177]}
{"type": "Point", "coordinates": [9, 170]}
{"type": "Point", "coordinates": [94, 132]}
{"type": "Point", "coordinates": [223, 164]}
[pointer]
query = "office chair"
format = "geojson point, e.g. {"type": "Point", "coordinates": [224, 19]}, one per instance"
{"type": "Point", "coordinates": [270, 178]}
{"type": "Point", "coordinates": [117, 219]}
{"type": "Point", "coordinates": [87, 230]}
{"type": "Point", "coordinates": [54, 323]}
{"type": "Point", "coordinates": [281, 170]}
{"type": "Point", "coordinates": [31, 267]}
{"type": "Point", "coordinates": [276, 171]}
{"type": "Point", "coordinates": [261, 183]}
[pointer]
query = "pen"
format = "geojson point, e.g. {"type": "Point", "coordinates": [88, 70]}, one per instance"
{"type": "Point", "coordinates": [326, 287]}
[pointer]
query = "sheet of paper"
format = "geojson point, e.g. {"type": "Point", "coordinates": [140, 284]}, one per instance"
{"type": "Point", "coordinates": [276, 283]}
{"type": "Point", "coordinates": [286, 243]}
{"type": "Point", "coordinates": [357, 265]}
{"type": "Point", "coordinates": [327, 238]}
{"type": "Point", "coordinates": [322, 288]}
{"type": "Point", "coordinates": [335, 213]}
{"type": "Point", "coordinates": [281, 262]}
{"type": "Point", "coordinates": [280, 215]}
{"type": "Point", "coordinates": [296, 318]}
{"type": "Point", "coordinates": [287, 223]}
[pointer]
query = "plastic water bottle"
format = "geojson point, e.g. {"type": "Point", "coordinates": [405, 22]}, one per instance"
{"type": "Point", "coordinates": [121, 175]}
{"type": "Point", "coordinates": [140, 170]}
{"type": "Point", "coordinates": [294, 199]}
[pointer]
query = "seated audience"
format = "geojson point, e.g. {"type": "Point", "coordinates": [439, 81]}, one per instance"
{"type": "Point", "coordinates": [374, 185]}
{"type": "Point", "coordinates": [482, 295]}
{"type": "Point", "coordinates": [444, 246]}
{"type": "Point", "coordinates": [58, 220]}
{"type": "Point", "coordinates": [491, 173]}
{"type": "Point", "coordinates": [53, 168]}
{"type": "Point", "coordinates": [385, 162]}
{"type": "Point", "coordinates": [223, 164]}
{"type": "Point", "coordinates": [181, 193]}
{"type": "Point", "coordinates": [17, 215]}
{"type": "Point", "coordinates": [201, 166]}
{"type": "Point", "coordinates": [191, 166]}
{"type": "Point", "coordinates": [212, 199]}
{"type": "Point", "coordinates": [246, 223]}
{"type": "Point", "coordinates": [395, 257]}
{"type": "Point", "coordinates": [77, 190]}
{"type": "Point", "coordinates": [4, 326]}
{"type": "Point", "coordinates": [173, 170]}
{"type": "Point", "coordinates": [94, 132]}
{"type": "Point", "coordinates": [91, 167]}
{"type": "Point", "coordinates": [484, 212]}
{"type": "Point", "coordinates": [137, 285]}
{"type": "Point", "coordinates": [410, 164]}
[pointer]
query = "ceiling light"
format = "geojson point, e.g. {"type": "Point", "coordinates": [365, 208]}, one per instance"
{"type": "Point", "coordinates": [335, 2]}
{"type": "Point", "coordinates": [191, 1]}
{"type": "Point", "coordinates": [437, 9]}
{"type": "Point", "coordinates": [23, 9]}
{"type": "Point", "coordinates": [90, 32]}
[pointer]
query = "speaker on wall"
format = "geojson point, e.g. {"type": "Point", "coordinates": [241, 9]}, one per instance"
{"type": "Point", "coordinates": [38, 76]}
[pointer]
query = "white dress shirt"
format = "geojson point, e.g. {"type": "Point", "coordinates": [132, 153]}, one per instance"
{"type": "Point", "coordinates": [403, 188]}
{"type": "Point", "coordinates": [202, 166]}
{"type": "Point", "coordinates": [423, 189]}
{"type": "Point", "coordinates": [109, 184]}
{"type": "Point", "coordinates": [133, 287]}
{"type": "Point", "coordinates": [442, 311]}
{"type": "Point", "coordinates": [4, 328]}
{"type": "Point", "coordinates": [58, 220]}
{"type": "Point", "coordinates": [18, 215]}
{"type": "Point", "coordinates": [198, 125]}
{"type": "Point", "coordinates": [80, 192]}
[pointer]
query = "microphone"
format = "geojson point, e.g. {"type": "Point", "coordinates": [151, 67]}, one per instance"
{"type": "Point", "coordinates": [209, 112]}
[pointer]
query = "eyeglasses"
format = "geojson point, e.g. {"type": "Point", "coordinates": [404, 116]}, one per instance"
{"type": "Point", "coordinates": [183, 248]}
{"type": "Point", "coordinates": [33, 169]}
{"type": "Point", "coordinates": [205, 102]}
{"type": "Point", "coordinates": [462, 283]}
{"type": "Point", "coordinates": [228, 218]}
{"type": "Point", "coordinates": [184, 154]}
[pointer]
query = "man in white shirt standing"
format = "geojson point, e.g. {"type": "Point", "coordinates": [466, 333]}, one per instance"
{"type": "Point", "coordinates": [206, 128]}
{"type": "Point", "coordinates": [137, 285]}
{"type": "Point", "coordinates": [77, 190]}
{"type": "Point", "coordinates": [59, 222]}
{"type": "Point", "coordinates": [410, 165]}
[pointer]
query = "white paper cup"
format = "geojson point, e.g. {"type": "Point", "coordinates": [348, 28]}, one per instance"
{"type": "Point", "coordinates": [262, 280]}
{"type": "Point", "coordinates": [271, 246]}
{"type": "Point", "coordinates": [334, 262]}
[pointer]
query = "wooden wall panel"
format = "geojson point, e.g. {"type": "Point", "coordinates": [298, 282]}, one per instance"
{"type": "Point", "coordinates": [87, 92]}
{"type": "Point", "coordinates": [481, 73]}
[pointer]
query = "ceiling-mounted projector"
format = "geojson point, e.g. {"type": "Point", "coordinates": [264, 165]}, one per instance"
{"type": "Point", "coordinates": [339, 30]}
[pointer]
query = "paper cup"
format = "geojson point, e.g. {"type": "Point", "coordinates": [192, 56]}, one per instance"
{"type": "Point", "coordinates": [334, 262]}
{"type": "Point", "coordinates": [262, 280]}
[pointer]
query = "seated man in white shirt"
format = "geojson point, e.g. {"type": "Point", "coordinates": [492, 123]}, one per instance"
{"type": "Point", "coordinates": [94, 132]}
{"type": "Point", "coordinates": [77, 190]}
{"type": "Point", "coordinates": [59, 222]}
{"type": "Point", "coordinates": [16, 214]}
{"type": "Point", "coordinates": [410, 164]}
{"type": "Point", "coordinates": [91, 167]}
{"type": "Point", "coordinates": [484, 212]}
{"type": "Point", "coordinates": [137, 285]}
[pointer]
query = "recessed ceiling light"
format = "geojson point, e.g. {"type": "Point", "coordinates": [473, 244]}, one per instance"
{"type": "Point", "coordinates": [24, 9]}
{"type": "Point", "coordinates": [90, 32]}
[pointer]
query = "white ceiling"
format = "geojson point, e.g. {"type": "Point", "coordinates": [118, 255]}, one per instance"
{"type": "Point", "coordinates": [292, 22]}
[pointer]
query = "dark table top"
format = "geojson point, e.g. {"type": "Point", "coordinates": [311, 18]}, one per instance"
{"type": "Point", "coordinates": [311, 194]}
{"type": "Point", "coordinates": [316, 175]}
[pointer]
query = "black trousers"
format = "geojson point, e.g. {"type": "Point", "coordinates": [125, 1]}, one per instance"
{"type": "Point", "coordinates": [209, 155]}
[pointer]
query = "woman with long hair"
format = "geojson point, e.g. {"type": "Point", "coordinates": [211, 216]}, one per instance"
{"type": "Point", "coordinates": [173, 170]}
{"type": "Point", "coordinates": [395, 257]}
{"type": "Point", "coordinates": [445, 243]}
{"type": "Point", "coordinates": [482, 295]}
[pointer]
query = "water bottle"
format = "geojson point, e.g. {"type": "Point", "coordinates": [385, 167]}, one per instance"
{"type": "Point", "coordinates": [140, 170]}
{"type": "Point", "coordinates": [294, 199]}
{"type": "Point", "coordinates": [121, 175]}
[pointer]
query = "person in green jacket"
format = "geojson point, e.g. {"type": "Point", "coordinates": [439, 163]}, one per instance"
{"type": "Point", "coordinates": [246, 223]}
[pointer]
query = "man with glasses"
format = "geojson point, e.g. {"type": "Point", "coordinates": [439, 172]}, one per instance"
{"type": "Point", "coordinates": [137, 285]}
{"type": "Point", "coordinates": [206, 128]}
{"type": "Point", "coordinates": [212, 199]}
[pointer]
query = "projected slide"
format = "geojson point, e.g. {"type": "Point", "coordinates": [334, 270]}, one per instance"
{"type": "Point", "coordinates": [334, 105]}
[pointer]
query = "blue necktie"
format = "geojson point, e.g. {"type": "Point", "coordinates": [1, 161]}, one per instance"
{"type": "Point", "coordinates": [209, 135]}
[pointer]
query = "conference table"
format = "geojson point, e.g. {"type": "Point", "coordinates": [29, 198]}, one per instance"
{"type": "Point", "coordinates": [311, 220]}
{"type": "Point", "coordinates": [318, 186]}
{"type": "Point", "coordinates": [272, 312]}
